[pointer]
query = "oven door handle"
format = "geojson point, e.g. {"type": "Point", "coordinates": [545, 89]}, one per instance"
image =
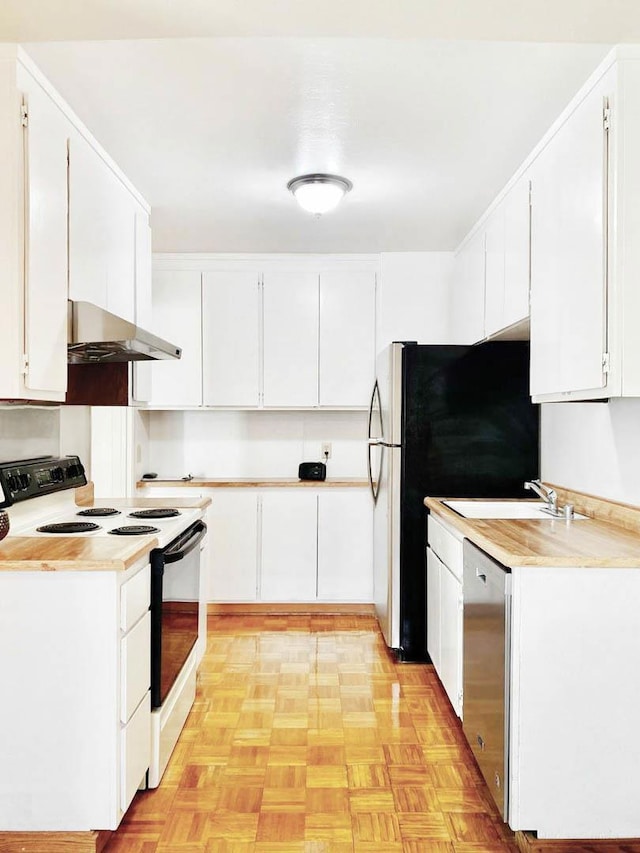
{"type": "Point", "coordinates": [184, 544]}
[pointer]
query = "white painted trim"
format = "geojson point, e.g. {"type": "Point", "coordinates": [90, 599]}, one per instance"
{"type": "Point", "coordinates": [621, 52]}
{"type": "Point", "coordinates": [29, 65]}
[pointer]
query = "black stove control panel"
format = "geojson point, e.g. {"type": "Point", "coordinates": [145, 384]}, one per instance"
{"type": "Point", "coordinates": [28, 478]}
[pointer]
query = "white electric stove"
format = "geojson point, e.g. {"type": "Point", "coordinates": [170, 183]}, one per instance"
{"type": "Point", "coordinates": [39, 497]}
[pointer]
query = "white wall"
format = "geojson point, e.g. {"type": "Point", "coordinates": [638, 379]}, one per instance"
{"type": "Point", "coordinates": [413, 298]}
{"type": "Point", "coordinates": [593, 448]}
{"type": "Point", "coordinates": [252, 444]}
{"type": "Point", "coordinates": [27, 431]}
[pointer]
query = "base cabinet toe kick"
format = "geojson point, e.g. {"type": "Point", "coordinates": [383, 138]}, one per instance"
{"type": "Point", "coordinates": [551, 694]}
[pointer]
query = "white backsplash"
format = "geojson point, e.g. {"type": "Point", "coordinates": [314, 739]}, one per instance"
{"type": "Point", "coordinates": [254, 444]}
{"type": "Point", "coordinates": [593, 448]}
{"type": "Point", "coordinates": [27, 431]}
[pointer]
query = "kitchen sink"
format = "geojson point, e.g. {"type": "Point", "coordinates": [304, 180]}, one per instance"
{"type": "Point", "coordinates": [504, 509]}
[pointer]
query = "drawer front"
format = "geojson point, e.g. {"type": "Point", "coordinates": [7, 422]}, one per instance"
{"type": "Point", "coordinates": [135, 666]}
{"type": "Point", "coordinates": [446, 546]}
{"type": "Point", "coordinates": [135, 596]}
{"type": "Point", "coordinates": [135, 751]}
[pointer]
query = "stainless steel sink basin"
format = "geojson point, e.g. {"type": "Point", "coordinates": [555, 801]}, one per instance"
{"type": "Point", "coordinates": [504, 509]}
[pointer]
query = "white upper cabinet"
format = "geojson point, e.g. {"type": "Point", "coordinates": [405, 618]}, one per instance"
{"type": "Point", "coordinates": [347, 337]}
{"type": "Point", "coordinates": [568, 252]}
{"type": "Point", "coordinates": [231, 342]}
{"type": "Point", "coordinates": [143, 370]}
{"type": "Point", "coordinates": [516, 253]}
{"type": "Point", "coordinates": [290, 321]}
{"type": "Point", "coordinates": [283, 333]}
{"type": "Point", "coordinates": [102, 233]}
{"type": "Point", "coordinates": [468, 292]}
{"type": "Point", "coordinates": [177, 308]}
{"type": "Point", "coordinates": [494, 271]}
{"type": "Point", "coordinates": [46, 132]}
{"type": "Point", "coordinates": [67, 229]}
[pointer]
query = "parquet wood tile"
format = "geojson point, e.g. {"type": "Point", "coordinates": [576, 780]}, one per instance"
{"type": "Point", "coordinates": [308, 737]}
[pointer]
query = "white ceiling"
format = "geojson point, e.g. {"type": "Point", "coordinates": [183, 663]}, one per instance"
{"type": "Point", "coordinates": [211, 129]}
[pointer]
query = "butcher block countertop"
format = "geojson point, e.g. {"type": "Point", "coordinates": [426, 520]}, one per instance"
{"type": "Point", "coordinates": [93, 553]}
{"type": "Point", "coordinates": [609, 538]}
{"type": "Point", "coordinates": [72, 553]}
{"type": "Point", "coordinates": [257, 483]}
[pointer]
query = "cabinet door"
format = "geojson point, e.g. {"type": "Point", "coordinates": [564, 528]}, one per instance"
{"type": "Point", "coordinates": [142, 371]}
{"type": "Point", "coordinates": [231, 338]}
{"type": "Point", "coordinates": [568, 252]}
{"type": "Point", "coordinates": [288, 570]}
{"type": "Point", "coordinates": [101, 233]}
{"type": "Point", "coordinates": [290, 311]}
{"type": "Point", "coordinates": [433, 609]}
{"type": "Point", "coordinates": [494, 271]}
{"type": "Point", "coordinates": [468, 292]}
{"type": "Point", "coordinates": [451, 637]}
{"type": "Point", "coordinates": [516, 253]}
{"type": "Point", "coordinates": [176, 317]}
{"type": "Point", "coordinates": [345, 546]}
{"type": "Point", "coordinates": [46, 142]}
{"type": "Point", "coordinates": [347, 337]}
{"type": "Point", "coordinates": [232, 519]}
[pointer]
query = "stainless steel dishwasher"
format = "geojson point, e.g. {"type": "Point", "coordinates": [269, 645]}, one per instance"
{"type": "Point", "coordinates": [487, 623]}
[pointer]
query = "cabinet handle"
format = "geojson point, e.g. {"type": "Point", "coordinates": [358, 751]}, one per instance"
{"type": "Point", "coordinates": [481, 576]}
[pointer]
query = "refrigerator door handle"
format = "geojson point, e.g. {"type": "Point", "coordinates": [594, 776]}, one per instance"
{"type": "Point", "coordinates": [373, 485]}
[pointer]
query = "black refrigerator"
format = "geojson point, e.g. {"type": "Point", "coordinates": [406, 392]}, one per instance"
{"type": "Point", "coordinates": [445, 421]}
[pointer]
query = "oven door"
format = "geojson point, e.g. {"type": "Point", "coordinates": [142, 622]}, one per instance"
{"type": "Point", "coordinates": [175, 589]}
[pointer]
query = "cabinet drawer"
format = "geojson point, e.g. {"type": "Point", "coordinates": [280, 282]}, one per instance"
{"type": "Point", "coordinates": [135, 751]}
{"type": "Point", "coordinates": [135, 596]}
{"type": "Point", "coordinates": [135, 666]}
{"type": "Point", "coordinates": [446, 545]}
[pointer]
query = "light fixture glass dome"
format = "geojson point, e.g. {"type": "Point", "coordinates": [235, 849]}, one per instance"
{"type": "Point", "coordinates": [319, 193]}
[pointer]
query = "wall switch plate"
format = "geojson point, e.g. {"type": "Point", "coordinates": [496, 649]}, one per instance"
{"type": "Point", "coordinates": [326, 450]}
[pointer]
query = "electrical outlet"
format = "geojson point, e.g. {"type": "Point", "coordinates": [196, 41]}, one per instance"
{"type": "Point", "coordinates": [326, 449]}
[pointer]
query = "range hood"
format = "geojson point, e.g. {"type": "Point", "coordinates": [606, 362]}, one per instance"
{"type": "Point", "coordinates": [95, 336]}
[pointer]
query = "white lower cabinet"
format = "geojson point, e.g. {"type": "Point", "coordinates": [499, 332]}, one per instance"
{"type": "Point", "coordinates": [434, 574]}
{"type": "Point", "coordinates": [444, 608]}
{"type": "Point", "coordinates": [76, 746]}
{"type": "Point", "coordinates": [288, 570]}
{"type": "Point", "coordinates": [290, 545]}
{"type": "Point", "coordinates": [232, 519]}
{"type": "Point", "coordinates": [345, 546]}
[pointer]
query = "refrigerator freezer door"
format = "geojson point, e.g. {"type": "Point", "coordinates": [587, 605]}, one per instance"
{"type": "Point", "coordinates": [389, 382]}
{"type": "Point", "coordinates": [386, 547]}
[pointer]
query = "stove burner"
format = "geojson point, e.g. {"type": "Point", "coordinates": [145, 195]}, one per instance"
{"type": "Point", "coordinates": [134, 530]}
{"type": "Point", "coordinates": [69, 527]}
{"type": "Point", "coordinates": [155, 513]}
{"type": "Point", "coordinates": [100, 511]}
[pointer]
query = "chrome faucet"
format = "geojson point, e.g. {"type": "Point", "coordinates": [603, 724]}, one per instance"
{"type": "Point", "coordinates": [548, 495]}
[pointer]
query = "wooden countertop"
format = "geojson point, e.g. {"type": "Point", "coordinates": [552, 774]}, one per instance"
{"type": "Point", "coordinates": [257, 483]}
{"type": "Point", "coordinates": [72, 553]}
{"type": "Point", "coordinates": [590, 542]}
{"type": "Point", "coordinates": [94, 553]}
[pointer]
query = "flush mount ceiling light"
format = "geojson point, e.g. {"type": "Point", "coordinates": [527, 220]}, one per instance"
{"type": "Point", "coordinates": [319, 193]}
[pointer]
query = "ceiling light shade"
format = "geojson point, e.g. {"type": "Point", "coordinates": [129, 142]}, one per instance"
{"type": "Point", "coordinates": [319, 193]}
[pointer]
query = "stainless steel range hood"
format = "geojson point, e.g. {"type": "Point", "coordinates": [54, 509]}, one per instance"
{"type": "Point", "coordinates": [96, 336]}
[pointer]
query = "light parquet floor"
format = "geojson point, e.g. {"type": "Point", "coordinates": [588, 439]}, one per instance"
{"type": "Point", "coordinates": [307, 736]}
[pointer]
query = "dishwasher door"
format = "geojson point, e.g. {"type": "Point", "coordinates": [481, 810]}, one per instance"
{"type": "Point", "coordinates": [486, 620]}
